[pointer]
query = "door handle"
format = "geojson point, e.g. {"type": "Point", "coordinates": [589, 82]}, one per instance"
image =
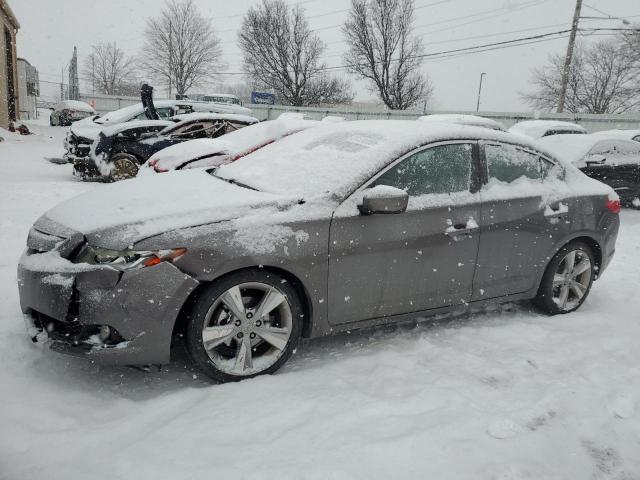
{"type": "Point", "coordinates": [459, 230]}
{"type": "Point", "coordinates": [556, 211]}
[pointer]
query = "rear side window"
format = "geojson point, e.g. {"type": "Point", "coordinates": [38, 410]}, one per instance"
{"type": "Point", "coordinates": [165, 113]}
{"type": "Point", "coordinates": [439, 169]}
{"type": "Point", "coordinates": [507, 163]}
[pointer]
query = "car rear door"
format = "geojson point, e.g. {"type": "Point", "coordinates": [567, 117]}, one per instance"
{"type": "Point", "coordinates": [388, 264]}
{"type": "Point", "coordinates": [519, 223]}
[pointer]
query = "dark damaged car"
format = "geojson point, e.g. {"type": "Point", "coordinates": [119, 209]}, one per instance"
{"type": "Point", "coordinates": [338, 227]}
{"type": "Point", "coordinates": [120, 150]}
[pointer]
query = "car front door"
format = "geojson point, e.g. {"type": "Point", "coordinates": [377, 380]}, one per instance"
{"type": "Point", "coordinates": [387, 264]}
{"type": "Point", "coordinates": [519, 222]}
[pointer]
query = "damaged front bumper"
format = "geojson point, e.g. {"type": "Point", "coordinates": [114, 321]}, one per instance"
{"type": "Point", "coordinates": [112, 317]}
{"type": "Point", "coordinates": [86, 169]}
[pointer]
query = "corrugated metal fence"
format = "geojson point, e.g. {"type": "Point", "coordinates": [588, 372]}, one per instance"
{"type": "Point", "coordinates": [592, 122]}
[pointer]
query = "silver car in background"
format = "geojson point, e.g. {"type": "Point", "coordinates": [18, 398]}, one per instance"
{"type": "Point", "coordinates": [342, 226]}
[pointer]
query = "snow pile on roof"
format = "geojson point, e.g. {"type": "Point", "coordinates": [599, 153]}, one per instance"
{"type": "Point", "coordinates": [627, 134]}
{"type": "Point", "coordinates": [473, 120]}
{"type": "Point", "coordinates": [538, 128]}
{"type": "Point", "coordinates": [575, 148]}
{"type": "Point", "coordinates": [340, 156]}
{"type": "Point", "coordinates": [570, 147]}
{"type": "Point", "coordinates": [121, 127]}
{"type": "Point", "coordinates": [196, 116]}
{"type": "Point", "coordinates": [75, 105]}
{"type": "Point", "coordinates": [233, 143]}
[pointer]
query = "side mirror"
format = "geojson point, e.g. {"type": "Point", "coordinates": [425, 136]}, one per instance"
{"type": "Point", "coordinates": [383, 199]}
{"type": "Point", "coordinates": [595, 159]}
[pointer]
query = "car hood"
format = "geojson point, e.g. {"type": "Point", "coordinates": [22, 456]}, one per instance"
{"type": "Point", "coordinates": [119, 215]}
{"type": "Point", "coordinates": [86, 128]}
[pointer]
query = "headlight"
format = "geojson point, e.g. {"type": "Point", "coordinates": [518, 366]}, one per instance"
{"type": "Point", "coordinates": [130, 259]}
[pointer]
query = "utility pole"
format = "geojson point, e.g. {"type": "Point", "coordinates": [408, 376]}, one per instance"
{"type": "Point", "coordinates": [93, 73]}
{"type": "Point", "coordinates": [170, 54]}
{"type": "Point", "coordinates": [479, 92]}
{"type": "Point", "coordinates": [567, 61]}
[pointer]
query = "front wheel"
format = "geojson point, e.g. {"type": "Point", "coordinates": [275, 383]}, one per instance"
{"type": "Point", "coordinates": [567, 280]}
{"type": "Point", "coordinates": [244, 325]}
{"type": "Point", "coordinates": [124, 166]}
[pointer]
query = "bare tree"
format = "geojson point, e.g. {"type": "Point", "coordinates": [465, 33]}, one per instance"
{"type": "Point", "coordinates": [602, 80]}
{"type": "Point", "coordinates": [181, 47]}
{"type": "Point", "coordinates": [108, 69]}
{"type": "Point", "coordinates": [383, 50]}
{"type": "Point", "coordinates": [282, 53]}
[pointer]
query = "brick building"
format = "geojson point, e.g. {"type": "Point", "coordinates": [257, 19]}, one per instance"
{"type": "Point", "coordinates": [9, 25]}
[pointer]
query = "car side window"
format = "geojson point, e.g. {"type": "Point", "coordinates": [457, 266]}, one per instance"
{"type": "Point", "coordinates": [439, 169]}
{"type": "Point", "coordinates": [507, 163]}
{"type": "Point", "coordinates": [637, 138]}
{"type": "Point", "coordinates": [164, 112]}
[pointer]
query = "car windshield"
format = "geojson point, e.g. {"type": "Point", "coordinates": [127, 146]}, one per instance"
{"type": "Point", "coordinates": [334, 158]}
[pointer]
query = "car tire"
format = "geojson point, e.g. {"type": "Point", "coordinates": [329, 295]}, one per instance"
{"type": "Point", "coordinates": [229, 336]}
{"type": "Point", "coordinates": [124, 166]}
{"type": "Point", "coordinates": [567, 280]}
{"type": "Point", "coordinates": [51, 122]}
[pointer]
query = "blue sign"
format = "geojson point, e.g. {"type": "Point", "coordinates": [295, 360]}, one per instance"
{"type": "Point", "coordinates": [263, 98]}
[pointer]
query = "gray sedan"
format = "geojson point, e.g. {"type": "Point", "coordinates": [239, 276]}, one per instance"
{"type": "Point", "coordinates": [338, 227]}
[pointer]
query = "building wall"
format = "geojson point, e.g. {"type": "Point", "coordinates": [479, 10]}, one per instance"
{"type": "Point", "coordinates": [27, 84]}
{"type": "Point", "coordinates": [6, 22]}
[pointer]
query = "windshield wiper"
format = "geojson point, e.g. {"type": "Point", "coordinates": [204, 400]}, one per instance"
{"type": "Point", "coordinates": [233, 182]}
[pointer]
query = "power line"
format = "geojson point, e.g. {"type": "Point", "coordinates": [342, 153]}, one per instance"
{"type": "Point", "coordinates": [235, 15]}
{"type": "Point", "coordinates": [475, 47]}
{"type": "Point", "coordinates": [515, 42]}
{"type": "Point", "coordinates": [432, 4]}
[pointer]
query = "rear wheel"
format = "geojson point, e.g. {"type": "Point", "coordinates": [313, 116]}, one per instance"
{"type": "Point", "coordinates": [567, 280]}
{"type": "Point", "coordinates": [245, 325]}
{"type": "Point", "coordinates": [124, 166]}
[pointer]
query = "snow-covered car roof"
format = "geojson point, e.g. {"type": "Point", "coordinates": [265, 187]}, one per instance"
{"type": "Point", "coordinates": [126, 113]}
{"type": "Point", "coordinates": [463, 119]}
{"type": "Point", "coordinates": [232, 117]}
{"type": "Point", "coordinates": [540, 128]}
{"type": "Point", "coordinates": [575, 147]}
{"type": "Point", "coordinates": [336, 157]}
{"type": "Point", "coordinates": [75, 105]}
{"type": "Point", "coordinates": [630, 134]}
{"type": "Point", "coordinates": [121, 127]}
{"type": "Point", "coordinates": [234, 143]}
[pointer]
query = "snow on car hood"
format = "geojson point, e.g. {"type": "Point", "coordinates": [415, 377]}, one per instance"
{"type": "Point", "coordinates": [121, 214]}
{"type": "Point", "coordinates": [86, 128]}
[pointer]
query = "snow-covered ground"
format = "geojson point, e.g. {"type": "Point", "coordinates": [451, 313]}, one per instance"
{"type": "Point", "coordinates": [503, 394]}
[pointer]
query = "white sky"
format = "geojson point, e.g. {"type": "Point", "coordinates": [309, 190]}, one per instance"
{"type": "Point", "coordinates": [50, 29]}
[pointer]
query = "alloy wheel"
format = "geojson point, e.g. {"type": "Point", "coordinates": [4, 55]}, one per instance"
{"type": "Point", "coordinates": [247, 328]}
{"type": "Point", "coordinates": [124, 168]}
{"type": "Point", "coordinates": [572, 280]}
